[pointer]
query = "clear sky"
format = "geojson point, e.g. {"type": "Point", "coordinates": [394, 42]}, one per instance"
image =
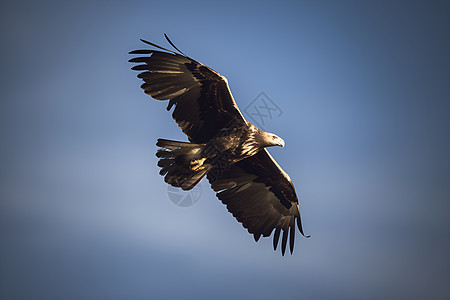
{"type": "Point", "coordinates": [364, 90]}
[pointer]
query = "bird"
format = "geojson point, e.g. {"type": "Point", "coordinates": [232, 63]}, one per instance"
{"type": "Point", "coordinates": [223, 146]}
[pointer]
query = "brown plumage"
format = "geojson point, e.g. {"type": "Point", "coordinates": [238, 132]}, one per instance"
{"type": "Point", "coordinates": [223, 146]}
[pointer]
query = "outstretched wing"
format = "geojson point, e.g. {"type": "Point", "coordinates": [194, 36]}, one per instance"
{"type": "Point", "coordinates": [202, 98]}
{"type": "Point", "coordinates": [261, 196]}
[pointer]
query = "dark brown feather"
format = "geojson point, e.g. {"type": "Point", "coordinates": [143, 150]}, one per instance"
{"type": "Point", "coordinates": [188, 83]}
{"type": "Point", "coordinates": [260, 196]}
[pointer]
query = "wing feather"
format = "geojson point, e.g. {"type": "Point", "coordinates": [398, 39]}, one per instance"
{"type": "Point", "coordinates": [284, 241]}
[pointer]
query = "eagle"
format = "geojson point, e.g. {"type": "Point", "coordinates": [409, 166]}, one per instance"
{"type": "Point", "coordinates": [223, 145]}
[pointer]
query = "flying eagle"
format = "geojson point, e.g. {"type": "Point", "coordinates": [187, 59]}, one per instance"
{"type": "Point", "coordinates": [222, 145]}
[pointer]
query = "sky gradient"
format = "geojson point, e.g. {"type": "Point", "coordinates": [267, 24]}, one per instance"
{"type": "Point", "coordinates": [364, 90]}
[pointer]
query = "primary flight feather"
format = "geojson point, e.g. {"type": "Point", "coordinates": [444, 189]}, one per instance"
{"type": "Point", "coordinates": [223, 146]}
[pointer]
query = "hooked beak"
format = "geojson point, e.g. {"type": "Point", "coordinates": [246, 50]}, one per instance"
{"type": "Point", "coordinates": [281, 143]}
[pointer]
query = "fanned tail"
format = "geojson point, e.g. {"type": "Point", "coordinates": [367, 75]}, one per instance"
{"type": "Point", "coordinates": [182, 164]}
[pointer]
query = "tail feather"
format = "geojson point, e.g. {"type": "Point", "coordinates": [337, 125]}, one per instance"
{"type": "Point", "coordinates": [182, 164]}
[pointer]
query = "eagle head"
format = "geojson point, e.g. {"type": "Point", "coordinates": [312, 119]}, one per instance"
{"type": "Point", "coordinates": [270, 139]}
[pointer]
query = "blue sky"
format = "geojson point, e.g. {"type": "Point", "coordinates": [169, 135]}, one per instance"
{"type": "Point", "coordinates": [364, 89]}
